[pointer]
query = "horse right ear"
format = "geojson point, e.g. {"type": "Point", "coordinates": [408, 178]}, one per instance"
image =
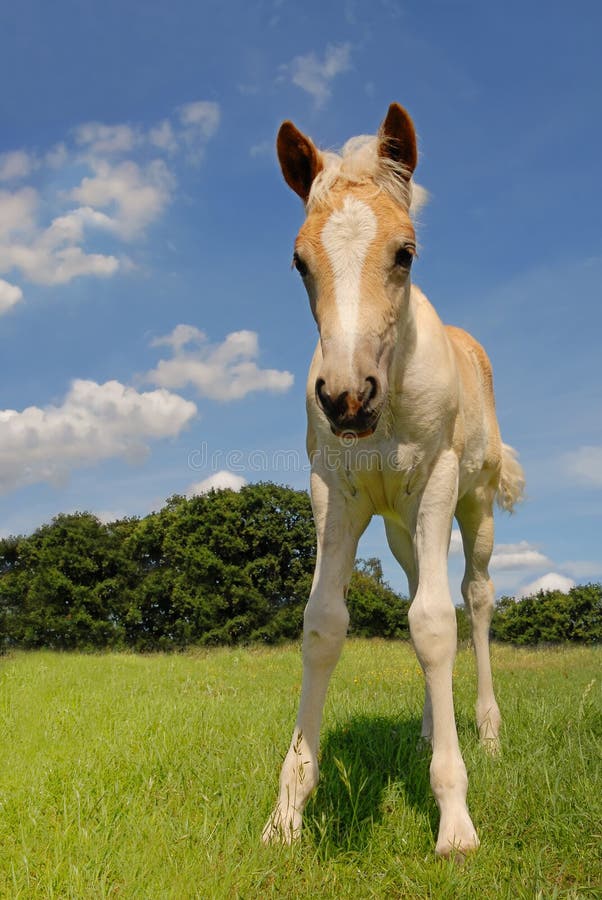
{"type": "Point", "coordinates": [299, 159]}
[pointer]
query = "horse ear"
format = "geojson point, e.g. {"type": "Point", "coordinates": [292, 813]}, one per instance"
{"type": "Point", "coordinates": [397, 138]}
{"type": "Point", "coordinates": [299, 159]}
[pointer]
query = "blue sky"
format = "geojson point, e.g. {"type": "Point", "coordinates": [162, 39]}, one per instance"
{"type": "Point", "coordinates": [152, 334]}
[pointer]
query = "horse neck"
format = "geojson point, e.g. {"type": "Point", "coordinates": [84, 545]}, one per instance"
{"type": "Point", "coordinates": [405, 340]}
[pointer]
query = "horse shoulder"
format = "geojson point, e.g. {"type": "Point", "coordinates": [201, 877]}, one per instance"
{"type": "Point", "coordinates": [426, 392]}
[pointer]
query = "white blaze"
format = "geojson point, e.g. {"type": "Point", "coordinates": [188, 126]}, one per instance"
{"type": "Point", "coordinates": [346, 238]}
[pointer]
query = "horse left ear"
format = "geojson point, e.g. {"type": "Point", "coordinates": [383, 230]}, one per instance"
{"type": "Point", "coordinates": [299, 159]}
{"type": "Point", "coordinates": [398, 138]}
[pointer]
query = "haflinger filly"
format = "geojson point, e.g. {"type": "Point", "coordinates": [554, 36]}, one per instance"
{"type": "Point", "coordinates": [401, 423]}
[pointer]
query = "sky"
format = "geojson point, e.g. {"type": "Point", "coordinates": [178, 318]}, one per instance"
{"type": "Point", "coordinates": [153, 339]}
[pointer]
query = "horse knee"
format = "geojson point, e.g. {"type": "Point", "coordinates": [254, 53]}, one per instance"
{"type": "Point", "coordinates": [324, 630]}
{"type": "Point", "coordinates": [433, 629]}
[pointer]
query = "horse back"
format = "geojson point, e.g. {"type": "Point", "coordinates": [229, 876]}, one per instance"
{"type": "Point", "coordinates": [477, 436]}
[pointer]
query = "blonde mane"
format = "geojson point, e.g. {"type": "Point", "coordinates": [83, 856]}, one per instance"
{"type": "Point", "coordinates": [359, 163]}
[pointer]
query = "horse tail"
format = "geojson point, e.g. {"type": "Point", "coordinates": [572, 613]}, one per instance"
{"type": "Point", "coordinates": [511, 487]}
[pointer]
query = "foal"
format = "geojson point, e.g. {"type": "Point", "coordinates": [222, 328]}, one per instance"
{"type": "Point", "coordinates": [401, 423]}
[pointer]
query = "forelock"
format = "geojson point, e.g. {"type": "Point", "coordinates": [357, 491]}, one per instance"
{"type": "Point", "coordinates": [359, 164]}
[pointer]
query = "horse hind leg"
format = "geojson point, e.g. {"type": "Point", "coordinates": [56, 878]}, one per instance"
{"type": "Point", "coordinates": [475, 518]}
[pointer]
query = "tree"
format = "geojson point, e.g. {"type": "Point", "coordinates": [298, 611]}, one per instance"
{"type": "Point", "coordinates": [61, 586]}
{"type": "Point", "coordinates": [375, 610]}
{"type": "Point", "coordinates": [223, 567]}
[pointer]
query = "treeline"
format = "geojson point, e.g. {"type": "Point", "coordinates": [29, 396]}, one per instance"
{"type": "Point", "coordinates": [222, 568]}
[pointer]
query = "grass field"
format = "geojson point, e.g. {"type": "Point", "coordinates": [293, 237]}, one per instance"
{"type": "Point", "coordinates": [152, 776]}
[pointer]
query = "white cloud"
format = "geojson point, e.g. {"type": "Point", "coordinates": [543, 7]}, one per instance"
{"type": "Point", "coordinates": [553, 581]}
{"type": "Point", "coordinates": [119, 195]}
{"type": "Point", "coordinates": [510, 564]}
{"type": "Point", "coordinates": [517, 556]}
{"type": "Point", "coordinates": [585, 465]}
{"type": "Point", "coordinates": [264, 148]}
{"type": "Point", "coordinates": [63, 265]}
{"type": "Point", "coordinates": [191, 127]}
{"type": "Point", "coordinates": [582, 568]}
{"type": "Point", "coordinates": [94, 422]}
{"type": "Point", "coordinates": [53, 256]}
{"type": "Point", "coordinates": [16, 164]}
{"type": "Point", "coordinates": [522, 555]}
{"type": "Point", "coordinates": [110, 515]}
{"type": "Point", "coordinates": [226, 371]}
{"type": "Point", "coordinates": [163, 137]}
{"type": "Point", "coordinates": [18, 211]}
{"type": "Point", "coordinates": [9, 295]}
{"type": "Point", "coordinates": [455, 544]}
{"type": "Point", "coordinates": [223, 480]}
{"type": "Point", "coordinates": [179, 337]}
{"type": "Point", "coordinates": [315, 76]}
{"type": "Point", "coordinates": [199, 121]}
{"type": "Point", "coordinates": [69, 229]}
{"type": "Point", "coordinates": [134, 195]}
{"type": "Point", "coordinates": [202, 116]}
{"type": "Point", "coordinates": [100, 139]}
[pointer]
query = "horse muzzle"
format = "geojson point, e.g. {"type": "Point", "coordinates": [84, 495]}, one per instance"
{"type": "Point", "coordinates": [351, 411]}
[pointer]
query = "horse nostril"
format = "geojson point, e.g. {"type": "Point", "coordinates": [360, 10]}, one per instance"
{"type": "Point", "coordinates": [321, 394]}
{"type": "Point", "coordinates": [372, 389]}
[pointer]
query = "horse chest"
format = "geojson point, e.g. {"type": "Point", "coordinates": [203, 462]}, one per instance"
{"type": "Point", "coordinates": [389, 476]}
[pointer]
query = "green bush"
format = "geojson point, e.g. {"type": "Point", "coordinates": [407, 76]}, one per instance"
{"type": "Point", "coordinates": [551, 617]}
{"type": "Point", "coordinates": [375, 610]}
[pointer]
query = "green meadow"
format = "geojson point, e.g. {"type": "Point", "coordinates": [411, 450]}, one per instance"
{"type": "Point", "coordinates": [137, 776]}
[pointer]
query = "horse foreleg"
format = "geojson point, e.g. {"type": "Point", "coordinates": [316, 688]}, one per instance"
{"type": "Point", "coordinates": [325, 624]}
{"type": "Point", "coordinates": [433, 629]}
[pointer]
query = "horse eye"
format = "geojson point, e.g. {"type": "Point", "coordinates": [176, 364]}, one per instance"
{"type": "Point", "coordinates": [299, 265]}
{"type": "Point", "coordinates": [404, 257]}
